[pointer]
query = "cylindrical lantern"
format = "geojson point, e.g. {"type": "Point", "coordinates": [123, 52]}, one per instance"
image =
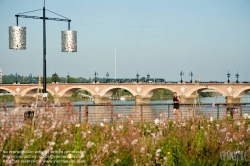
{"type": "Point", "coordinates": [69, 41]}
{"type": "Point", "coordinates": [17, 37]}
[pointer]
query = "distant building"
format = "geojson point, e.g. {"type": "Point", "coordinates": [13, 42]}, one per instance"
{"type": "Point", "coordinates": [1, 76]}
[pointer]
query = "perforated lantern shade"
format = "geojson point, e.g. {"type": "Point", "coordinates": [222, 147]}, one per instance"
{"type": "Point", "coordinates": [69, 41]}
{"type": "Point", "coordinates": [17, 37]}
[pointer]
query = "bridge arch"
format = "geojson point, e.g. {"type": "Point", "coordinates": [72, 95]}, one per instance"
{"type": "Point", "coordinates": [109, 91]}
{"type": "Point", "coordinates": [241, 92]}
{"type": "Point", "coordinates": [70, 90]}
{"type": "Point", "coordinates": [33, 90]}
{"type": "Point", "coordinates": [192, 92]}
{"type": "Point", "coordinates": [8, 90]}
{"type": "Point", "coordinates": [150, 92]}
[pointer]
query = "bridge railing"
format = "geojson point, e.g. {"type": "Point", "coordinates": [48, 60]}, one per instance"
{"type": "Point", "coordinates": [111, 113]}
{"type": "Point", "coordinates": [134, 81]}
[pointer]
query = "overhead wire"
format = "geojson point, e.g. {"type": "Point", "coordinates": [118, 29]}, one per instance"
{"type": "Point", "coordinates": [56, 13]}
{"type": "Point", "coordinates": [30, 11]}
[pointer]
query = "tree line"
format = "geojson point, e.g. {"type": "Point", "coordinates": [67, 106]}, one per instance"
{"type": "Point", "coordinates": [10, 79]}
{"type": "Point", "coordinates": [16, 78]}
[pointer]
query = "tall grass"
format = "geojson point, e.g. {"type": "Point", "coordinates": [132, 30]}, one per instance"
{"type": "Point", "coordinates": [54, 137]}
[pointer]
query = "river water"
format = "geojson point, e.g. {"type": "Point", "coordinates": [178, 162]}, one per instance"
{"type": "Point", "coordinates": [123, 110]}
{"type": "Point", "coordinates": [163, 108]}
{"type": "Point", "coordinates": [219, 99]}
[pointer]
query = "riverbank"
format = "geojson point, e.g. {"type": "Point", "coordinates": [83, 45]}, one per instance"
{"type": "Point", "coordinates": [6, 98]}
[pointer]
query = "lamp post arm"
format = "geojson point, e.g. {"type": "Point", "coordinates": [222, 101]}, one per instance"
{"type": "Point", "coordinates": [46, 18]}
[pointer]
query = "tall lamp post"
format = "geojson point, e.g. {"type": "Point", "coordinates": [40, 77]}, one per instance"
{"type": "Point", "coordinates": [228, 75]}
{"type": "Point", "coordinates": [30, 78]}
{"type": "Point", "coordinates": [181, 74]}
{"type": "Point", "coordinates": [137, 76]}
{"type": "Point", "coordinates": [237, 76]}
{"type": "Point", "coordinates": [17, 38]}
{"type": "Point", "coordinates": [148, 76]}
{"type": "Point", "coordinates": [191, 75]}
{"type": "Point", "coordinates": [96, 74]}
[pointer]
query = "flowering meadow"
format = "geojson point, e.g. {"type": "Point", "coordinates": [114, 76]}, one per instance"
{"type": "Point", "coordinates": [60, 140]}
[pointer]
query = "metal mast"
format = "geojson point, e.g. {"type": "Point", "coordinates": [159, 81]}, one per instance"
{"type": "Point", "coordinates": [115, 64]}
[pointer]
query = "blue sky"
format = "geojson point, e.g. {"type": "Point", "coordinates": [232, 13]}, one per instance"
{"type": "Point", "coordinates": [163, 37]}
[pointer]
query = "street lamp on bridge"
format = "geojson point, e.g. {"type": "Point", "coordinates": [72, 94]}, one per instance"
{"type": "Point", "coordinates": [148, 77]}
{"type": "Point", "coordinates": [96, 74]}
{"type": "Point", "coordinates": [181, 74]}
{"type": "Point", "coordinates": [228, 75]}
{"type": "Point", "coordinates": [17, 38]}
{"type": "Point", "coordinates": [107, 75]}
{"type": "Point", "coordinates": [68, 78]}
{"type": "Point", "coordinates": [30, 78]}
{"type": "Point", "coordinates": [191, 75]}
{"type": "Point", "coordinates": [55, 77]}
{"type": "Point", "coordinates": [137, 76]}
{"type": "Point", "coordinates": [16, 78]}
{"type": "Point", "coordinates": [237, 76]}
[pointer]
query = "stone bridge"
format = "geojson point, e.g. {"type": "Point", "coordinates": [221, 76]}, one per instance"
{"type": "Point", "coordinates": [141, 91]}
